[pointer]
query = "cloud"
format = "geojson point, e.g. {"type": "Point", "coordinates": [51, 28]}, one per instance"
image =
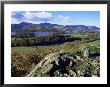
{"type": "Point", "coordinates": [44, 15]}
{"type": "Point", "coordinates": [17, 21]}
{"type": "Point", "coordinates": [31, 21]}
{"type": "Point", "coordinates": [30, 16]}
{"type": "Point", "coordinates": [64, 18]}
{"type": "Point", "coordinates": [39, 16]}
{"type": "Point", "coordinates": [13, 13]}
{"type": "Point", "coordinates": [14, 21]}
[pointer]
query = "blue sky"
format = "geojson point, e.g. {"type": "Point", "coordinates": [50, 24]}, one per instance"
{"type": "Point", "coordinates": [89, 18]}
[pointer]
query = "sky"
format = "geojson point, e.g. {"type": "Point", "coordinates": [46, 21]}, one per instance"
{"type": "Point", "coordinates": [88, 18]}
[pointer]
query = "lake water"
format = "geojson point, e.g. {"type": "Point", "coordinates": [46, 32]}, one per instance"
{"type": "Point", "coordinates": [13, 33]}
{"type": "Point", "coordinates": [42, 33]}
{"type": "Point", "coordinates": [45, 33]}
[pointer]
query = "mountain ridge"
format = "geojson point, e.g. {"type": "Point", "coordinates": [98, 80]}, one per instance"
{"type": "Point", "coordinates": [53, 27]}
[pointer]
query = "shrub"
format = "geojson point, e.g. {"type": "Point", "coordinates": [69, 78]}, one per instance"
{"type": "Point", "coordinates": [81, 66]}
{"type": "Point", "coordinates": [22, 64]}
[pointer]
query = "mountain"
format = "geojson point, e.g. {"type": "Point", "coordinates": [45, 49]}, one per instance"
{"type": "Point", "coordinates": [53, 27]}
{"type": "Point", "coordinates": [81, 27]}
{"type": "Point", "coordinates": [20, 25]}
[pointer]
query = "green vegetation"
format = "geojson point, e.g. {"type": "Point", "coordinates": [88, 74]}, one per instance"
{"type": "Point", "coordinates": [82, 65]}
{"type": "Point", "coordinates": [23, 50]}
{"type": "Point", "coordinates": [38, 71]}
{"type": "Point", "coordinates": [28, 51]}
{"type": "Point", "coordinates": [95, 43]}
{"type": "Point", "coordinates": [45, 40]}
{"type": "Point", "coordinates": [57, 73]}
{"type": "Point", "coordinates": [83, 36]}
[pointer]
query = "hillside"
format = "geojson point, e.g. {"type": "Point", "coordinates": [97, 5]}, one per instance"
{"type": "Point", "coordinates": [53, 27]}
{"type": "Point", "coordinates": [26, 60]}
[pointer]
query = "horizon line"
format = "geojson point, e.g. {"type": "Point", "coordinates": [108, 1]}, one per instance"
{"type": "Point", "coordinates": [55, 23]}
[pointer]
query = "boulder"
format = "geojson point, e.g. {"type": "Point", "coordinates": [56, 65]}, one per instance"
{"type": "Point", "coordinates": [72, 73]}
{"type": "Point", "coordinates": [60, 64]}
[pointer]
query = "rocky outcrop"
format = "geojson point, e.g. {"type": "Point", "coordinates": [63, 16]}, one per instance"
{"type": "Point", "coordinates": [61, 64]}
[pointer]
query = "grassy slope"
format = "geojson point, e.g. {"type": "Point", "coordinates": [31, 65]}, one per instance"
{"type": "Point", "coordinates": [77, 35]}
{"type": "Point", "coordinates": [67, 46]}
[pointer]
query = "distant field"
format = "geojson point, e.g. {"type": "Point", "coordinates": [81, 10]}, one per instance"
{"type": "Point", "coordinates": [95, 43]}
{"type": "Point", "coordinates": [77, 35]}
{"type": "Point", "coordinates": [23, 50]}
{"type": "Point", "coordinates": [65, 46]}
{"type": "Point", "coordinates": [80, 35]}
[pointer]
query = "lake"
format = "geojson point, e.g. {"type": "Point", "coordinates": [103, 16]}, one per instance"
{"type": "Point", "coordinates": [44, 33]}
{"type": "Point", "coordinates": [13, 33]}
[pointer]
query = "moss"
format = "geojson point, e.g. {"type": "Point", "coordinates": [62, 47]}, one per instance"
{"type": "Point", "coordinates": [93, 70]}
{"type": "Point", "coordinates": [57, 73]}
{"type": "Point", "coordinates": [37, 71]}
{"type": "Point", "coordinates": [95, 49]}
{"type": "Point", "coordinates": [68, 67]}
{"type": "Point", "coordinates": [82, 65]}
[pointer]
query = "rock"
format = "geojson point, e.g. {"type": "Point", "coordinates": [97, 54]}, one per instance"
{"type": "Point", "coordinates": [94, 63]}
{"type": "Point", "coordinates": [86, 53]}
{"type": "Point", "coordinates": [71, 63]}
{"type": "Point", "coordinates": [47, 68]}
{"type": "Point", "coordinates": [77, 57]}
{"type": "Point", "coordinates": [56, 62]}
{"type": "Point", "coordinates": [66, 75]}
{"type": "Point", "coordinates": [94, 76]}
{"type": "Point", "coordinates": [98, 72]}
{"type": "Point", "coordinates": [57, 73]}
{"type": "Point", "coordinates": [87, 73]}
{"type": "Point", "coordinates": [72, 73]}
{"type": "Point", "coordinates": [79, 72]}
{"type": "Point", "coordinates": [59, 64]}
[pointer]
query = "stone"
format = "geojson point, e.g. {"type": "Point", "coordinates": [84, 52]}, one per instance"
{"type": "Point", "coordinates": [72, 73]}
{"type": "Point", "coordinates": [66, 75]}
{"type": "Point", "coordinates": [77, 57]}
{"type": "Point", "coordinates": [60, 65]}
{"type": "Point", "coordinates": [86, 53]}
